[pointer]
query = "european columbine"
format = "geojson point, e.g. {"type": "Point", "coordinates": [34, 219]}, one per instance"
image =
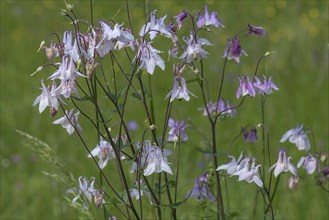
{"type": "Point", "coordinates": [201, 189]}
{"type": "Point", "coordinates": [283, 164]}
{"type": "Point", "coordinates": [259, 31]}
{"type": "Point", "coordinates": [177, 130]}
{"type": "Point", "coordinates": [135, 193]}
{"type": "Point", "coordinates": [194, 50]}
{"type": "Point", "coordinates": [297, 136]}
{"type": "Point", "coordinates": [153, 158]}
{"type": "Point", "coordinates": [69, 121]}
{"type": "Point", "coordinates": [179, 90]}
{"type": "Point", "coordinates": [293, 182]}
{"type": "Point", "coordinates": [85, 188]}
{"type": "Point", "coordinates": [66, 48]}
{"type": "Point", "coordinates": [241, 168]}
{"type": "Point", "coordinates": [104, 152]}
{"type": "Point", "coordinates": [246, 87]}
{"type": "Point", "coordinates": [149, 57]}
{"type": "Point", "coordinates": [223, 107]}
{"type": "Point", "coordinates": [48, 98]}
{"type": "Point", "coordinates": [251, 135]}
{"type": "Point", "coordinates": [233, 50]}
{"type": "Point", "coordinates": [154, 27]}
{"type": "Point", "coordinates": [309, 163]}
{"type": "Point", "coordinates": [265, 87]}
{"type": "Point", "coordinates": [209, 19]}
{"type": "Point", "coordinates": [180, 18]}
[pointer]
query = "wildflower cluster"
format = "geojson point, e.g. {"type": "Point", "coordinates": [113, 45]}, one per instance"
{"type": "Point", "coordinates": [145, 163]}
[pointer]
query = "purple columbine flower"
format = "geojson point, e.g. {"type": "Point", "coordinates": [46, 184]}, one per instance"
{"type": "Point", "coordinates": [233, 50]}
{"type": "Point", "coordinates": [86, 188]}
{"type": "Point", "coordinates": [177, 130]}
{"type": "Point", "coordinates": [265, 87]}
{"type": "Point", "coordinates": [309, 163]}
{"type": "Point", "coordinates": [209, 19]}
{"type": "Point", "coordinates": [222, 106]}
{"type": "Point", "coordinates": [201, 190]}
{"type": "Point", "coordinates": [246, 87]}
{"type": "Point", "coordinates": [251, 135]}
{"type": "Point", "coordinates": [180, 18]}
{"type": "Point", "coordinates": [259, 31]}
{"type": "Point", "coordinates": [297, 136]}
{"type": "Point", "coordinates": [283, 164]}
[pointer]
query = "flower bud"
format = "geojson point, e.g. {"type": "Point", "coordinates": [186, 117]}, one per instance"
{"type": "Point", "coordinates": [98, 198]}
{"type": "Point", "coordinates": [37, 70]}
{"type": "Point", "coordinates": [41, 45]}
{"type": "Point", "coordinates": [152, 127]}
{"type": "Point", "coordinates": [53, 111]}
{"type": "Point", "coordinates": [324, 157]}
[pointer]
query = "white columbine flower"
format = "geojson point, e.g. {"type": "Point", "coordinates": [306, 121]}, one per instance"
{"type": "Point", "coordinates": [231, 166]}
{"type": "Point", "coordinates": [309, 163]}
{"type": "Point", "coordinates": [297, 136]}
{"type": "Point", "coordinates": [154, 27]}
{"type": "Point", "coordinates": [149, 58]}
{"type": "Point", "coordinates": [135, 193]}
{"type": "Point", "coordinates": [48, 98]}
{"type": "Point", "coordinates": [104, 152]}
{"type": "Point", "coordinates": [194, 50]}
{"type": "Point", "coordinates": [283, 165]}
{"type": "Point", "coordinates": [67, 120]}
{"type": "Point", "coordinates": [179, 90]}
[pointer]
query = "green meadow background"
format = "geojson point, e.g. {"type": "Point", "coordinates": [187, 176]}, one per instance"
{"type": "Point", "coordinates": [297, 33]}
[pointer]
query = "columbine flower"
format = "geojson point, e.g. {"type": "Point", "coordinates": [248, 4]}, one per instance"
{"type": "Point", "coordinates": [149, 58]}
{"type": "Point", "coordinates": [233, 50]}
{"type": "Point", "coordinates": [250, 136]}
{"type": "Point", "coordinates": [201, 190]}
{"type": "Point", "coordinates": [48, 98]}
{"type": "Point", "coordinates": [283, 165]}
{"type": "Point", "coordinates": [222, 107]}
{"type": "Point", "coordinates": [85, 188]}
{"type": "Point", "coordinates": [104, 152]}
{"type": "Point", "coordinates": [179, 89]}
{"type": "Point", "coordinates": [309, 163]}
{"type": "Point", "coordinates": [265, 87]}
{"type": "Point", "coordinates": [51, 51]}
{"type": "Point", "coordinates": [259, 31]}
{"type": "Point", "coordinates": [154, 27]}
{"type": "Point", "coordinates": [209, 19]}
{"type": "Point", "coordinates": [194, 50]}
{"type": "Point", "coordinates": [156, 162]}
{"type": "Point", "coordinates": [69, 121]}
{"type": "Point", "coordinates": [69, 49]}
{"type": "Point", "coordinates": [246, 87]}
{"type": "Point", "coordinates": [297, 136]}
{"type": "Point", "coordinates": [154, 158]}
{"type": "Point", "coordinates": [177, 130]}
{"type": "Point", "coordinates": [135, 193]}
{"type": "Point", "coordinates": [180, 18]}
{"type": "Point", "coordinates": [67, 70]}
{"type": "Point", "coordinates": [241, 168]}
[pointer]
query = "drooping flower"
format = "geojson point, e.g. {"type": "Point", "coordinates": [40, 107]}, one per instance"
{"type": "Point", "coordinates": [297, 136]}
{"type": "Point", "coordinates": [180, 18]}
{"type": "Point", "coordinates": [259, 31]}
{"type": "Point", "coordinates": [246, 87]}
{"type": "Point", "coordinates": [104, 152]}
{"type": "Point", "coordinates": [69, 121]}
{"type": "Point", "coordinates": [209, 19]}
{"type": "Point", "coordinates": [223, 107]}
{"type": "Point", "coordinates": [68, 48]}
{"type": "Point", "coordinates": [233, 50]}
{"type": "Point", "coordinates": [153, 159]}
{"type": "Point", "coordinates": [177, 130]}
{"type": "Point", "coordinates": [136, 193]}
{"type": "Point", "coordinates": [241, 168]}
{"type": "Point", "coordinates": [251, 135]}
{"type": "Point", "coordinates": [293, 182]}
{"type": "Point", "coordinates": [194, 50]}
{"type": "Point", "coordinates": [67, 70]}
{"type": "Point", "coordinates": [201, 189]}
{"type": "Point", "coordinates": [85, 189]}
{"type": "Point", "coordinates": [309, 163]}
{"type": "Point", "coordinates": [154, 27]}
{"type": "Point", "coordinates": [283, 164]}
{"type": "Point", "coordinates": [179, 90]}
{"type": "Point", "coordinates": [265, 87]}
{"type": "Point", "coordinates": [48, 98]}
{"type": "Point", "coordinates": [149, 57]}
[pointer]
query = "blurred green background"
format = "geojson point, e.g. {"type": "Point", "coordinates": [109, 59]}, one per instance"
{"type": "Point", "coordinates": [297, 32]}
